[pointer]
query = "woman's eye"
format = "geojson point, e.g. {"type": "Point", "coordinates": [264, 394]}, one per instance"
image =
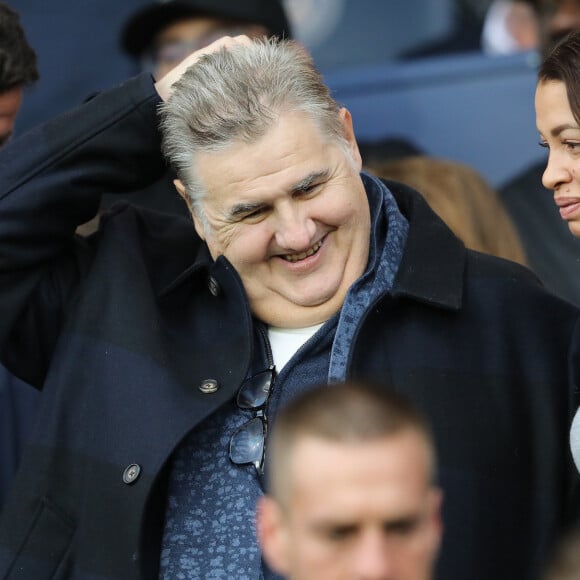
{"type": "Point", "coordinates": [572, 145]}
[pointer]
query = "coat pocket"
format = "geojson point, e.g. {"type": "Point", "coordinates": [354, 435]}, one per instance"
{"type": "Point", "coordinates": [44, 551]}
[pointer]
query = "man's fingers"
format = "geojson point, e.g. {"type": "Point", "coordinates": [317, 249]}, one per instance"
{"type": "Point", "coordinates": [164, 85]}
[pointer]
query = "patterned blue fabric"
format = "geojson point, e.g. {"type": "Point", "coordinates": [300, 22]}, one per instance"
{"type": "Point", "coordinates": [210, 520]}
{"type": "Point", "coordinates": [210, 528]}
{"type": "Point", "coordinates": [384, 259]}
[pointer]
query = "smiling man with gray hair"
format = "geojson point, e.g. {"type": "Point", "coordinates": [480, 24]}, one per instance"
{"type": "Point", "coordinates": [164, 348]}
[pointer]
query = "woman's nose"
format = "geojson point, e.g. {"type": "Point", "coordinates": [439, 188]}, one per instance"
{"type": "Point", "coordinates": [556, 172]}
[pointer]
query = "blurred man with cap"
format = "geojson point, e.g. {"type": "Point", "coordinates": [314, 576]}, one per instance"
{"type": "Point", "coordinates": [558, 18]}
{"type": "Point", "coordinates": [162, 34]}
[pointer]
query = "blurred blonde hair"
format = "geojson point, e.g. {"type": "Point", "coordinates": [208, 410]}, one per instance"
{"type": "Point", "coordinates": [462, 198]}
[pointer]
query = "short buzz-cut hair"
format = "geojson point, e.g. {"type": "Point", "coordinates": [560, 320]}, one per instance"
{"type": "Point", "coordinates": [348, 412]}
{"type": "Point", "coordinates": [236, 95]}
{"type": "Point", "coordinates": [563, 64]}
{"type": "Point", "coordinates": [17, 58]}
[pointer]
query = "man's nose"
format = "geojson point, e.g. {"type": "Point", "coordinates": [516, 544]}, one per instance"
{"type": "Point", "coordinates": [295, 229]}
{"type": "Point", "coordinates": [373, 559]}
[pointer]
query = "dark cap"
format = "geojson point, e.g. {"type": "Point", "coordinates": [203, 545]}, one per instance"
{"type": "Point", "coordinates": [140, 30]}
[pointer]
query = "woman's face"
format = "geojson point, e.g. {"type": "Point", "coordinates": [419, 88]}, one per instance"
{"type": "Point", "coordinates": [560, 134]}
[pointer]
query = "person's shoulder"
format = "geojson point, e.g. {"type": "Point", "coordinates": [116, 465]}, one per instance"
{"type": "Point", "coordinates": [484, 264]}
{"type": "Point", "coordinates": [509, 283]}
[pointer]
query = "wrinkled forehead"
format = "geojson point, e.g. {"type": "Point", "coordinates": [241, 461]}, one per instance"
{"type": "Point", "coordinates": [290, 149]}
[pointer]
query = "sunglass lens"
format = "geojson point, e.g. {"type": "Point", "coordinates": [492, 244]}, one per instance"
{"type": "Point", "coordinates": [254, 391]}
{"type": "Point", "coordinates": [247, 443]}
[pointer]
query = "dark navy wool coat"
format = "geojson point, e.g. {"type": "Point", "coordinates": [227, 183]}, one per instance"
{"type": "Point", "coordinates": [123, 328]}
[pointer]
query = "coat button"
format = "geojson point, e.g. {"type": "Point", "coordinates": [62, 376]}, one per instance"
{"type": "Point", "coordinates": [209, 386]}
{"type": "Point", "coordinates": [131, 473]}
{"type": "Point", "coordinates": [213, 286]}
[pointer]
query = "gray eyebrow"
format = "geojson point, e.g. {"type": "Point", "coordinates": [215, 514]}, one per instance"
{"type": "Point", "coordinates": [241, 209]}
{"type": "Point", "coordinates": [244, 208]}
{"type": "Point", "coordinates": [310, 179]}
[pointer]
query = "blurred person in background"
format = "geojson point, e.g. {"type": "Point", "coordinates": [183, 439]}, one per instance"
{"type": "Point", "coordinates": [351, 487]}
{"type": "Point", "coordinates": [162, 34]}
{"type": "Point", "coordinates": [510, 26]}
{"type": "Point", "coordinates": [17, 69]}
{"type": "Point", "coordinates": [18, 401]}
{"type": "Point", "coordinates": [557, 18]}
{"type": "Point", "coordinates": [462, 198]}
{"type": "Point", "coordinates": [565, 563]}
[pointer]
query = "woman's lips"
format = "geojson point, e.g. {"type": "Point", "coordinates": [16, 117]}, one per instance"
{"type": "Point", "coordinates": [568, 207]}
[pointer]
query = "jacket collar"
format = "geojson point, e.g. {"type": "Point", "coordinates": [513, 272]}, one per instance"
{"type": "Point", "coordinates": [433, 264]}
{"type": "Point", "coordinates": [202, 262]}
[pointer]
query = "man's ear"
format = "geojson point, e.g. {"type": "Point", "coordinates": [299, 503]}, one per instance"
{"type": "Point", "coordinates": [273, 535]}
{"type": "Point", "coordinates": [436, 501]}
{"type": "Point", "coordinates": [346, 120]}
{"type": "Point", "coordinates": [196, 221]}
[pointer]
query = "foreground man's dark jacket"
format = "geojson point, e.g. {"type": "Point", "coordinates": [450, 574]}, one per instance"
{"type": "Point", "coordinates": [122, 329]}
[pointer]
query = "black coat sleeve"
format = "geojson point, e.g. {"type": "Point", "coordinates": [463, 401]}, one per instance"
{"type": "Point", "coordinates": [51, 181]}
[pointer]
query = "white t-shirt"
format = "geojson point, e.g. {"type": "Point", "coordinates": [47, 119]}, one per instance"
{"type": "Point", "coordinates": [286, 341]}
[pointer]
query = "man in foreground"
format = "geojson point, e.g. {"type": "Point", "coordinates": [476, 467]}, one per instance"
{"type": "Point", "coordinates": [164, 355]}
{"type": "Point", "coordinates": [351, 488]}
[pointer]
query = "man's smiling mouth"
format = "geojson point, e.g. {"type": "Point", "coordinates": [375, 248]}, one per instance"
{"type": "Point", "coordinates": [302, 255]}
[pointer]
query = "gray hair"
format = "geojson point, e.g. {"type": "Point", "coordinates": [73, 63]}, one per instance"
{"type": "Point", "coordinates": [236, 95]}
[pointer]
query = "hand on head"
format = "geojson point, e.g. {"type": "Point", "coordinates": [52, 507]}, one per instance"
{"type": "Point", "coordinates": [164, 86]}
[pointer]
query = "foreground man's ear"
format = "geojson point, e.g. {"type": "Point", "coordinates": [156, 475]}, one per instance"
{"type": "Point", "coordinates": [346, 120]}
{"type": "Point", "coordinates": [183, 193]}
{"type": "Point", "coordinates": [272, 535]}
